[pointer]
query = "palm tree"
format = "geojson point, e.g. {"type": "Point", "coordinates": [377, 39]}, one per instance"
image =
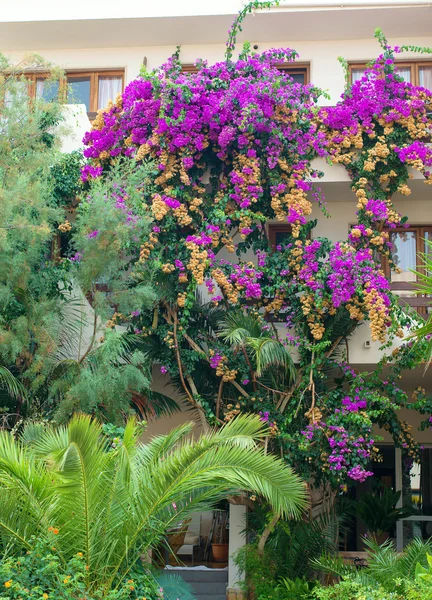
{"type": "Point", "coordinates": [269, 359]}
{"type": "Point", "coordinates": [114, 504]}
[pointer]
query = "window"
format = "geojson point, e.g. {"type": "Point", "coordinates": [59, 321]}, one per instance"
{"type": "Point", "coordinates": [279, 235]}
{"type": "Point", "coordinates": [415, 481]}
{"type": "Point", "coordinates": [92, 88]}
{"type": "Point", "coordinates": [298, 71]}
{"type": "Point", "coordinates": [189, 68]}
{"type": "Point", "coordinates": [407, 244]}
{"type": "Point", "coordinates": [416, 72]}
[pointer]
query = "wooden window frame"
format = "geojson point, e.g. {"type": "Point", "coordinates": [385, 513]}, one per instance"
{"type": "Point", "coordinates": [189, 68]}
{"type": "Point", "coordinates": [294, 68]}
{"type": "Point", "coordinates": [274, 229]}
{"type": "Point", "coordinates": [94, 84]}
{"type": "Point", "coordinates": [413, 65]}
{"type": "Point", "coordinates": [94, 75]}
{"type": "Point", "coordinates": [421, 301]}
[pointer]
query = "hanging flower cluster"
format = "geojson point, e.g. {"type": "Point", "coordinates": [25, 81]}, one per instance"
{"type": "Point", "coordinates": [342, 454]}
{"type": "Point", "coordinates": [381, 126]}
{"type": "Point", "coordinates": [244, 124]}
{"type": "Point", "coordinates": [233, 146]}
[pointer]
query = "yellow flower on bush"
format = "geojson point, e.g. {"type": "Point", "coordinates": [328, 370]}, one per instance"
{"type": "Point", "coordinates": [8, 583]}
{"type": "Point", "coordinates": [45, 596]}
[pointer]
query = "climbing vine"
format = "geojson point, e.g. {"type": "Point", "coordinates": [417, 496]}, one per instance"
{"type": "Point", "coordinates": [239, 325]}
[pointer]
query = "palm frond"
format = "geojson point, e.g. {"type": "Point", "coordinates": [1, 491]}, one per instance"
{"type": "Point", "coordinates": [382, 560]}
{"type": "Point", "coordinates": [333, 565]}
{"type": "Point", "coordinates": [271, 353]}
{"type": "Point", "coordinates": [113, 504]}
{"type": "Point", "coordinates": [238, 326]}
{"type": "Point", "coordinates": [159, 447]}
{"type": "Point", "coordinates": [12, 385]}
{"type": "Point", "coordinates": [24, 491]}
{"type": "Point", "coordinates": [152, 404]}
{"type": "Point", "coordinates": [423, 337]}
{"type": "Point", "coordinates": [415, 552]}
{"type": "Point", "coordinates": [174, 587]}
{"type": "Point", "coordinates": [210, 314]}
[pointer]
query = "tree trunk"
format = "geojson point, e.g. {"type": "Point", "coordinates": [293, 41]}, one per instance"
{"type": "Point", "coordinates": [322, 499]}
{"type": "Point", "coordinates": [266, 533]}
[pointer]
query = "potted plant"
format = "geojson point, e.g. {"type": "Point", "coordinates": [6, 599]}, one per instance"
{"type": "Point", "coordinates": [220, 536]}
{"type": "Point", "coordinates": [379, 513]}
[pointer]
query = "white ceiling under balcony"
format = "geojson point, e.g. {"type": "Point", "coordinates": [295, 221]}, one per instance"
{"type": "Point", "coordinates": [310, 20]}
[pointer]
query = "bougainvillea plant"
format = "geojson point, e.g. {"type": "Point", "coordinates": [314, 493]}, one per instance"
{"type": "Point", "coordinates": [240, 325]}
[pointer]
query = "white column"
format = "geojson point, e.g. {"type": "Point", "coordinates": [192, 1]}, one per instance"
{"type": "Point", "coordinates": [237, 524]}
{"type": "Point", "coordinates": [398, 482]}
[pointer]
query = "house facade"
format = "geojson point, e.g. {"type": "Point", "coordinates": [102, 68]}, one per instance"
{"type": "Point", "coordinates": [102, 48]}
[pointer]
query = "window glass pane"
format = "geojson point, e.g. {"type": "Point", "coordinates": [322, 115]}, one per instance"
{"type": "Point", "coordinates": [404, 72]}
{"type": "Point", "coordinates": [79, 91]}
{"type": "Point", "coordinates": [404, 248]}
{"type": "Point", "coordinates": [356, 74]}
{"type": "Point", "coordinates": [417, 495]}
{"type": "Point", "coordinates": [425, 77]}
{"type": "Point", "coordinates": [297, 77]}
{"type": "Point", "coordinates": [47, 89]}
{"type": "Point", "coordinates": [109, 88]}
{"type": "Point", "coordinates": [282, 237]}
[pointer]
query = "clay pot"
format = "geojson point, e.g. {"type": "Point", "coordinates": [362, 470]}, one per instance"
{"type": "Point", "coordinates": [220, 552]}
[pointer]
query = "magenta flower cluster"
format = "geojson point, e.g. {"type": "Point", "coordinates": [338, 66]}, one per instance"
{"type": "Point", "coordinates": [347, 455]}
{"type": "Point", "coordinates": [232, 146]}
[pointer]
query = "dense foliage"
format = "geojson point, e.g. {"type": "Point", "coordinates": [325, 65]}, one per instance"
{"type": "Point", "coordinates": [31, 301]}
{"type": "Point", "coordinates": [104, 504]}
{"type": "Point", "coordinates": [171, 243]}
{"type": "Point", "coordinates": [66, 177]}
{"type": "Point", "coordinates": [386, 575]}
{"type": "Point", "coordinates": [389, 575]}
{"type": "Point", "coordinates": [41, 573]}
{"type": "Point", "coordinates": [233, 146]}
{"type": "Point", "coordinates": [50, 360]}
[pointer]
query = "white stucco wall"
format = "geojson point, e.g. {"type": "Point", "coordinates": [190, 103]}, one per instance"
{"type": "Point", "coordinates": [325, 70]}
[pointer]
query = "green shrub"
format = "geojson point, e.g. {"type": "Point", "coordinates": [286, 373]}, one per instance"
{"type": "Point", "coordinates": [41, 574]}
{"type": "Point", "coordinates": [423, 573]}
{"type": "Point", "coordinates": [260, 572]}
{"type": "Point", "coordinates": [65, 175]}
{"type": "Point", "coordinates": [389, 575]}
{"type": "Point", "coordinates": [263, 579]}
{"type": "Point", "coordinates": [379, 512]}
{"type": "Point", "coordinates": [294, 589]}
{"type": "Point", "coordinates": [354, 590]}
